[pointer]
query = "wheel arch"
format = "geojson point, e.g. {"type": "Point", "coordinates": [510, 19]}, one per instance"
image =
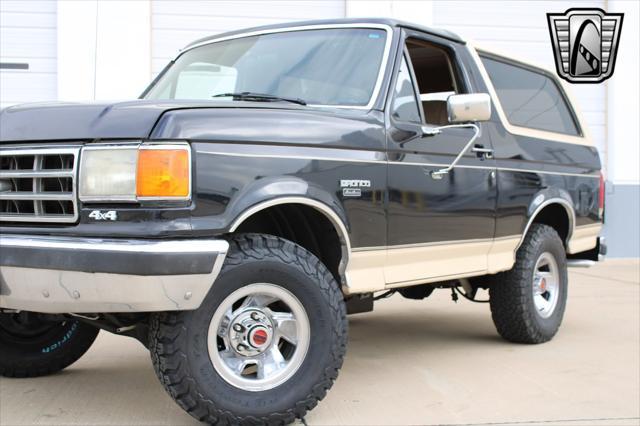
{"type": "Point", "coordinates": [544, 209]}
{"type": "Point", "coordinates": [334, 214]}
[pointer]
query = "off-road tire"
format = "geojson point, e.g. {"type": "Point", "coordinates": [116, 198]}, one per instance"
{"type": "Point", "coordinates": [48, 352]}
{"type": "Point", "coordinates": [511, 293]}
{"type": "Point", "coordinates": [178, 340]}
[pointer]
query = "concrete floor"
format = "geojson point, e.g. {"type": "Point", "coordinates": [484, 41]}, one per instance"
{"type": "Point", "coordinates": [409, 362]}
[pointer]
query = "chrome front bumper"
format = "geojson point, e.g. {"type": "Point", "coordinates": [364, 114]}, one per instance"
{"type": "Point", "coordinates": [82, 275]}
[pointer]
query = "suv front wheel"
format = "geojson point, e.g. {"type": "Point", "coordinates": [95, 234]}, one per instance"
{"type": "Point", "coordinates": [528, 302]}
{"type": "Point", "coordinates": [265, 345]}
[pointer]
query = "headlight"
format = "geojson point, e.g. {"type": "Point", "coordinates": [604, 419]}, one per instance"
{"type": "Point", "coordinates": [108, 174]}
{"type": "Point", "coordinates": [130, 173]}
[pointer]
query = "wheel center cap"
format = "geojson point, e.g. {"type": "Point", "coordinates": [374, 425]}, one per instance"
{"type": "Point", "coordinates": [259, 336]}
{"type": "Point", "coordinates": [543, 285]}
{"type": "Point", "coordinates": [251, 332]}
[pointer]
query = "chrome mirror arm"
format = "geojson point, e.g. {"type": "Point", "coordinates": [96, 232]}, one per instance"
{"type": "Point", "coordinates": [430, 131]}
{"type": "Point", "coordinates": [437, 174]}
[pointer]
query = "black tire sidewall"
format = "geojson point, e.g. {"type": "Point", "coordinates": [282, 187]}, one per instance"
{"type": "Point", "coordinates": [49, 352]}
{"type": "Point", "coordinates": [282, 397]}
{"type": "Point", "coordinates": [553, 245]}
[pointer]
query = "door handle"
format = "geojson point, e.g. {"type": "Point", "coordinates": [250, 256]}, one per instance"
{"type": "Point", "coordinates": [482, 151]}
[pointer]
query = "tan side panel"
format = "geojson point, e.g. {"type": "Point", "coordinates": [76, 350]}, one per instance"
{"type": "Point", "coordinates": [584, 238]}
{"type": "Point", "coordinates": [502, 255]}
{"type": "Point", "coordinates": [434, 261]}
{"type": "Point", "coordinates": [365, 272]}
{"type": "Point", "coordinates": [377, 269]}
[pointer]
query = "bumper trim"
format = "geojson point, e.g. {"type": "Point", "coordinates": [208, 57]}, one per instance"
{"type": "Point", "coordinates": [84, 275]}
{"type": "Point", "coordinates": [133, 257]}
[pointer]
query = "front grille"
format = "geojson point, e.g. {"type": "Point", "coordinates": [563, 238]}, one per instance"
{"type": "Point", "coordinates": [38, 184]}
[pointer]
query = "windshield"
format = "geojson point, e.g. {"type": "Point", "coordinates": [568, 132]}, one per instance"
{"type": "Point", "coordinates": [323, 67]}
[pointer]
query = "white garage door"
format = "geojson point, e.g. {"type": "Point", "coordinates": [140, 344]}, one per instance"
{"type": "Point", "coordinates": [175, 24]}
{"type": "Point", "coordinates": [520, 29]}
{"type": "Point", "coordinates": [27, 51]}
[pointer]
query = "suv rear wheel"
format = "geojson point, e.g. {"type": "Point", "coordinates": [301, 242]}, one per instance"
{"type": "Point", "coordinates": [528, 302]}
{"type": "Point", "coordinates": [265, 345]}
{"type": "Point", "coordinates": [31, 346]}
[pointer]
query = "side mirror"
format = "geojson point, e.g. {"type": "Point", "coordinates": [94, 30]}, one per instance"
{"type": "Point", "coordinates": [462, 110]}
{"type": "Point", "coordinates": [467, 108]}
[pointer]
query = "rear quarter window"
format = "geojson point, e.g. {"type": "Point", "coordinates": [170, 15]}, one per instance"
{"type": "Point", "coordinates": [529, 98]}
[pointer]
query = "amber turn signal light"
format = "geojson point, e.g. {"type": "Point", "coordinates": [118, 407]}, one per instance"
{"type": "Point", "coordinates": [163, 173]}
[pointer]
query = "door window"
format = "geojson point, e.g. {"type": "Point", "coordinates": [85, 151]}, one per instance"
{"type": "Point", "coordinates": [436, 77]}
{"type": "Point", "coordinates": [405, 105]}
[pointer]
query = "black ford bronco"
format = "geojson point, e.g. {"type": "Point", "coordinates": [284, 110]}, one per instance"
{"type": "Point", "coordinates": [269, 182]}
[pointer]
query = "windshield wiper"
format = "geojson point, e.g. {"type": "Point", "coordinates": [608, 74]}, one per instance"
{"type": "Point", "coordinates": [260, 97]}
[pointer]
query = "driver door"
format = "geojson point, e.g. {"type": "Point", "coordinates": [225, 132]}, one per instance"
{"type": "Point", "coordinates": [438, 229]}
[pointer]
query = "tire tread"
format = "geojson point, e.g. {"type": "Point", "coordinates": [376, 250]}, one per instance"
{"type": "Point", "coordinates": [511, 311]}
{"type": "Point", "coordinates": [166, 331]}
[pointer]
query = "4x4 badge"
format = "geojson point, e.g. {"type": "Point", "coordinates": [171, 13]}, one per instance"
{"type": "Point", "coordinates": [585, 43]}
{"type": "Point", "coordinates": [100, 215]}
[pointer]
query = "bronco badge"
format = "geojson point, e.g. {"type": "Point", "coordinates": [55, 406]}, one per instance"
{"type": "Point", "coordinates": [585, 43]}
{"type": "Point", "coordinates": [352, 187]}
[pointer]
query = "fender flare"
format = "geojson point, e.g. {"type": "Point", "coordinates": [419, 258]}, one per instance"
{"type": "Point", "coordinates": [323, 208]}
{"type": "Point", "coordinates": [544, 199]}
{"type": "Point", "coordinates": [299, 192]}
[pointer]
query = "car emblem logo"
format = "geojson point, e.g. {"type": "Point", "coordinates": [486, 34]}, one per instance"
{"type": "Point", "coordinates": [585, 43]}
{"type": "Point", "coordinates": [353, 187]}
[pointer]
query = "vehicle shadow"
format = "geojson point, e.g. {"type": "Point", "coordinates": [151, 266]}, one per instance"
{"type": "Point", "coordinates": [415, 321]}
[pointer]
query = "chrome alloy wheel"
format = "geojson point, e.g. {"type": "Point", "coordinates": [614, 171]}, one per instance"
{"type": "Point", "coordinates": [546, 285]}
{"type": "Point", "coordinates": [258, 337]}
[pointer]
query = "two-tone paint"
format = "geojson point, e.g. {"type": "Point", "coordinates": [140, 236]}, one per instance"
{"type": "Point", "coordinates": [405, 228]}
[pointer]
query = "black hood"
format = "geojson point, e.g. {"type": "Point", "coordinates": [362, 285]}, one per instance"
{"type": "Point", "coordinates": [58, 121]}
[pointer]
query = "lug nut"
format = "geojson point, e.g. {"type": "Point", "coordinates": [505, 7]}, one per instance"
{"type": "Point", "coordinates": [254, 316]}
{"type": "Point", "coordinates": [238, 328]}
{"type": "Point", "coordinates": [242, 348]}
